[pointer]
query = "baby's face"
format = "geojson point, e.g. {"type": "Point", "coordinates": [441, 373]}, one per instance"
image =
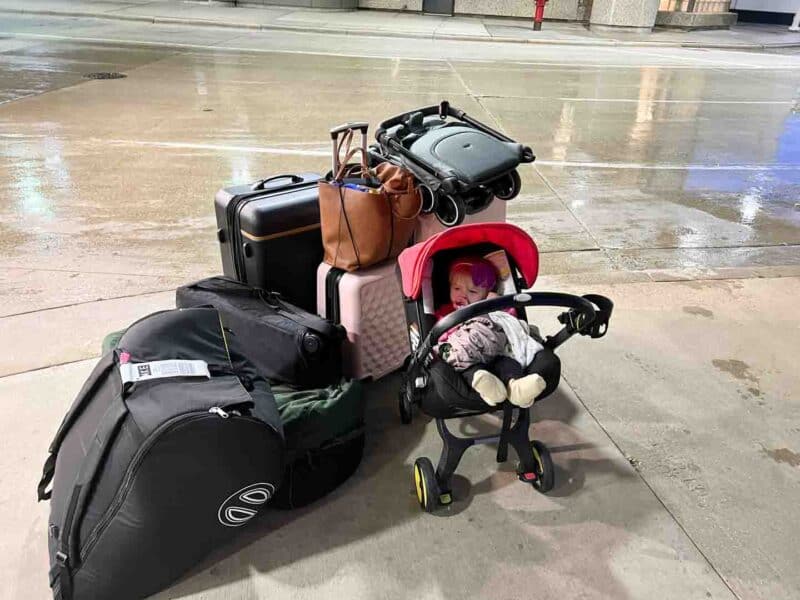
{"type": "Point", "coordinates": [463, 291]}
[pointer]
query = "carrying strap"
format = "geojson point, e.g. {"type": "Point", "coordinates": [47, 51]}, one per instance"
{"type": "Point", "coordinates": [68, 554]}
{"type": "Point", "coordinates": [275, 301]}
{"type": "Point", "coordinates": [307, 320]}
{"type": "Point", "coordinates": [97, 377]}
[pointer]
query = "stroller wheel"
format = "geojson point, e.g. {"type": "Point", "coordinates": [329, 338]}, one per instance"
{"type": "Point", "coordinates": [545, 472]}
{"type": "Point", "coordinates": [428, 199]}
{"type": "Point", "coordinates": [508, 186]}
{"type": "Point", "coordinates": [450, 210]}
{"type": "Point", "coordinates": [404, 405]}
{"type": "Point", "coordinates": [425, 484]}
{"type": "Point", "coordinates": [477, 200]}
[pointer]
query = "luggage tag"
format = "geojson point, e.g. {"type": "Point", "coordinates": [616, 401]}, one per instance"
{"type": "Point", "coordinates": [160, 369]}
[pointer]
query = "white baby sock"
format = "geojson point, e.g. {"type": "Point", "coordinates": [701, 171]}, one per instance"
{"type": "Point", "coordinates": [522, 392]}
{"type": "Point", "coordinates": [490, 388]}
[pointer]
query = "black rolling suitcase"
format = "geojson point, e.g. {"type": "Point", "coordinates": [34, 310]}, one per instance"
{"type": "Point", "coordinates": [172, 445]}
{"type": "Point", "coordinates": [269, 235]}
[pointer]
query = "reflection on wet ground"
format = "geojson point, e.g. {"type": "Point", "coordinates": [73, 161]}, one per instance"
{"type": "Point", "coordinates": [643, 166]}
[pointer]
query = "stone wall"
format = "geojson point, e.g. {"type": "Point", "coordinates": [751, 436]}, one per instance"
{"type": "Point", "coordinates": [568, 10]}
{"type": "Point", "coordinates": [300, 3]}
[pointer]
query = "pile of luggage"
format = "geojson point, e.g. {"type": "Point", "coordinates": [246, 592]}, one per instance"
{"type": "Point", "coordinates": [250, 394]}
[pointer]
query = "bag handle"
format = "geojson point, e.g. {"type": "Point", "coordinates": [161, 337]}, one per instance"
{"type": "Point", "coordinates": [262, 184]}
{"type": "Point", "coordinates": [348, 129]}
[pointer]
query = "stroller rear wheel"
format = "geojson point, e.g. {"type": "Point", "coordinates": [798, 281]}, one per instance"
{"type": "Point", "coordinates": [544, 478]}
{"type": "Point", "coordinates": [450, 210]}
{"type": "Point", "coordinates": [426, 485]}
{"type": "Point", "coordinates": [508, 186]}
{"type": "Point", "coordinates": [428, 199]}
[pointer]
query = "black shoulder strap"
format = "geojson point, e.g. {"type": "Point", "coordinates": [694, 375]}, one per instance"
{"type": "Point", "coordinates": [299, 316]}
{"type": "Point", "coordinates": [88, 390]}
{"type": "Point", "coordinates": [68, 555]}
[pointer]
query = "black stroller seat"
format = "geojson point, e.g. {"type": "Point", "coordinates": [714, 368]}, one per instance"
{"type": "Point", "coordinates": [450, 396]}
{"type": "Point", "coordinates": [441, 392]}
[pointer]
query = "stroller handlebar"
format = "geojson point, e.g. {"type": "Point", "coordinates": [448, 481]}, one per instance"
{"type": "Point", "coordinates": [588, 315]}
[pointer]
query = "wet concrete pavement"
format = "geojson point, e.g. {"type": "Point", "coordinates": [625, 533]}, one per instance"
{"type": "Point", "coordinates": [668, 179]}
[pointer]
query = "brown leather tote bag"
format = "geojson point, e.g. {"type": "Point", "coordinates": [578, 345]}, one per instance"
{"type": "Point", "coordinates": [363, 225]}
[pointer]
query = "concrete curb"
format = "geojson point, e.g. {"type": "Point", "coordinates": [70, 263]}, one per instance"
{"type": "Point", "coordinates": [155, 20]}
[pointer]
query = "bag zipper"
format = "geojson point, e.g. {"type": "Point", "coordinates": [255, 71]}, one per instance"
{"type": "Point", "coordinates": [122, 492]}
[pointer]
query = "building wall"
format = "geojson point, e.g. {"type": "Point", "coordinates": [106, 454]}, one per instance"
{"type": "Point", "coordinates": [778, 6]}
{"type": "Point", "coordinates": [569, 10]}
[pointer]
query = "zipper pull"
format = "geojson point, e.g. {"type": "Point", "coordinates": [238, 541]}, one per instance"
{"type": "Point", "coordinates": [218, 411]}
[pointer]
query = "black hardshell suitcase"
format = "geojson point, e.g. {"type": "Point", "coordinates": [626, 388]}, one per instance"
{"type": "Point", "coordinates": [269, 235]}
{"type": "Point", "coordinates": [157, 465]}
{"type": "Point", "coordinates": [284, 342]}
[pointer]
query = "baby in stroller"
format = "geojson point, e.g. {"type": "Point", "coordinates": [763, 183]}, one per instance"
{"type": "Point", "coordinates": [431, 273]}
{"type": "Point", "coordinates": [493, 352]}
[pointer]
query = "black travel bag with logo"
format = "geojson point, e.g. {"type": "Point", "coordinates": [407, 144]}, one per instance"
{"type": "Point", "coordinates": [269, 235]}
{"type": "Point", "coordinates": [284, 342]}
{"type": "Point", "coordinates": [172, 444]}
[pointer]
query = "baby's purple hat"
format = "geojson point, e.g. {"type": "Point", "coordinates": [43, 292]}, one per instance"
{"type": "Point", "coordinates": [481, 270]}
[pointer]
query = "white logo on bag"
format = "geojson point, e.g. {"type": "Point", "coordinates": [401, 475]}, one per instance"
{"type": "Point", "coordinates": [243, 505]}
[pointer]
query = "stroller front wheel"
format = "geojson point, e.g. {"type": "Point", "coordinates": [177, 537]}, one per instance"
{"type": "Point", "coordinates": [544, 478]}
{"type": "Point", "coordinates": [425, 484]}
{"type": "Point", "coordinates": [508, 186]}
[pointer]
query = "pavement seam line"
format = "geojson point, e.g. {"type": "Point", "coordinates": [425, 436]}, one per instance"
{"type": "Point", "coordinates": [574, 216]}
{"type": "Point", "coordinates": [652, 491]}
{"type": "Point", "coordinates": [82, 302]}
{"type": "Point", "coordinates": [63, 364]}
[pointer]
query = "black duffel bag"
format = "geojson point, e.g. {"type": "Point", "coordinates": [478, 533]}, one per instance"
{"type": "Point", "coordinates": [285, 343]}
{"type": "Point", "coordinates": [173, 443]}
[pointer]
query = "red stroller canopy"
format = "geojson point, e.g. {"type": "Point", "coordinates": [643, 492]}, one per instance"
{"type": "Point", "coordinates": [518, 244]}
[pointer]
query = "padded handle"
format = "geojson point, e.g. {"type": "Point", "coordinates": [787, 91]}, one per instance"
{"type": "Point", "coordinates": [583, 310]}
{"type": "Point", "coordinates": [263, 183]}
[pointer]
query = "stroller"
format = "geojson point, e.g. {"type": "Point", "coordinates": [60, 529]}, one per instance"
{"type": "Point", "coordinates": [461, 164]}
{"type": "Point", "coordinates": [441, 392]}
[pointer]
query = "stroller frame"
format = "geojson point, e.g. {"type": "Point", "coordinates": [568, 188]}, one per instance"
{"type": "Point", "coordinates": [444, 193]}
{"type": "Point", "coordinates": [587, 315]}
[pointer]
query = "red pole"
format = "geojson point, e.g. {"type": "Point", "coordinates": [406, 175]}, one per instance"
{"type": "Point", "coordinates": [538, 17]}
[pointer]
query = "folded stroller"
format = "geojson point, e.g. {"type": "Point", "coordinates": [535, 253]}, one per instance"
{"type": "Point", "coordinates": [461, 164]}
{"type": "Point", "coordinates": [441, 392]}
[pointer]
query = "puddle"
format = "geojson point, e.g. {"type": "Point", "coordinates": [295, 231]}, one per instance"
{"type": "Point", "coordinates": [737, 368]}
{"type": "Point", "coordinates": [699, 311]}
{"type": "Point", "coordinates": [784, 455]}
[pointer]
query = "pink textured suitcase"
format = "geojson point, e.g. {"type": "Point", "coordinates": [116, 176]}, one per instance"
{"type": "Point", "coordinates": [369, 304]}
